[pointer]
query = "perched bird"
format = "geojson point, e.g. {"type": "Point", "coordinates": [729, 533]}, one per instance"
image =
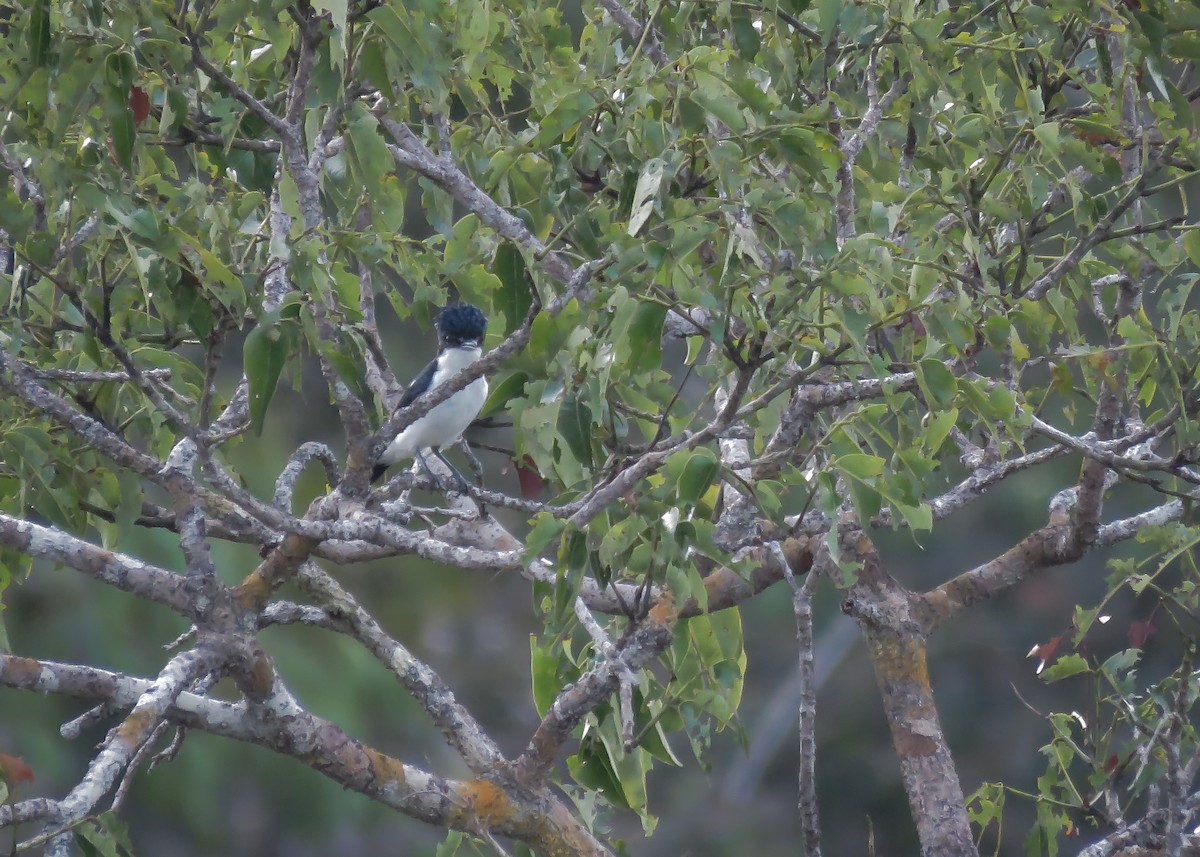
{"type": "Point", "coordinates": [460, 329]}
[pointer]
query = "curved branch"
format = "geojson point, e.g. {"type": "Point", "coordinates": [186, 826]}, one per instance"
{"type": "Point", "coordinates": [1052, 545]}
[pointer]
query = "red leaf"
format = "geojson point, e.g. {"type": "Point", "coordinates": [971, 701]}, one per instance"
{"type": "Point", "coordinates": [139, 103]}
{"type": "Point", "coordinates": [1045, 651]}
{"type": "Point", "coordinates": [14, 770]}
{"type": "Point", "coordinates": [1140, 632]}
{"type": "Point", "coordinates": [532, 483]}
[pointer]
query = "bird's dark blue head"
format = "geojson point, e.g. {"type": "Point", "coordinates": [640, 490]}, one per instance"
{"type": "Point", "coordinates": [459, 324]}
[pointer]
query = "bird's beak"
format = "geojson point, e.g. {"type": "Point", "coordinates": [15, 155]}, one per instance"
{"type": "Point", "coordinates": [470, 343]}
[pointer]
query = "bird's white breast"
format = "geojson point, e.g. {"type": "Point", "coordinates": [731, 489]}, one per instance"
{"type": "Point", "coordinates": [444, 424]}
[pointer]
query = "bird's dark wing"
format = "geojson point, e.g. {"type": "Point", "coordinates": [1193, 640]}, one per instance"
{"type": "Point", "coordinates": [419, 384]}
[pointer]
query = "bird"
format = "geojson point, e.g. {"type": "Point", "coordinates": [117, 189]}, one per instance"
{"type": "Point", "coordinates": [460, 328]}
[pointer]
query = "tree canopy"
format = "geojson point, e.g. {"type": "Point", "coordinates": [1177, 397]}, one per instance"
{"type": "Point", "coordinates": [768, 284]}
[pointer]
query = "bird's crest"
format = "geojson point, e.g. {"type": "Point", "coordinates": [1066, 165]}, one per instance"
{"type": "Point", "coordinates": [458, 323]}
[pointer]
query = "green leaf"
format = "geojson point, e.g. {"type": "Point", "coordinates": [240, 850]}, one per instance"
{"type": "Point", "coordinates": [549, 333]}
{"type": "Point", "coordinates": [1191, 245]}
{"type": "Point", "coordinates": [725, 107]}
{"type": "Point", "coordinates": [1065, 667]}
{"type": "Point", "coordinates": [348, 359]}
{"type": "Point", "coordinates": [938, 384]}
{"type": "Point", "coordinates": [124, 134]}
{"type": "Point", "coordinates": [264, 355]}
{"type": "Point", "coordinates": [104, 836]}
{"type": "Point", "coordinates": [503, 391]}
{"type": "Point", "coordinates": [645, 193]}
{"type": "Point", "coordinates": [575, 427]}
{"type": "Point", "coordinates": [141, 222]}
{"type": "Point", "coordinates": [130, 505]}
{"type": "Point", "coordinates": [515, 297]}
{"type": "Point", "coordinates": [919, 518]}
{"type": "Point", "coordinates": [592, 767]}
{"type": "Point", "coordinates": [620, 537]}
{"type": "Point", "coordinates": [745, 34]}
{"type": "Point", "coordinates": [628, 767]}
{"type": "Point", "coordinates": [937, 430]}
{"type": "Point", "coordinates": [546, 528]}
{"type": "Point", "coordinates": [119, 69]}
{"type": "Point", "coordinates": [39, 33]}
{"type": "Point", "coordinates": [543, 668]}
{"type": "Point", "coordinates": [859, 465]}
{"type": "Point", "coordinates": [828, 12]}
{"type": "Point", "coordinates": [986, 804]}
{"type": "Point", "coordinates": [337, 10]}
{"type": "Point", "coordinates": [368, 153]}
{"type": "Point", "coordinates": [698, 473]}
{"type": "Point", "coordinates": [565, 115]}
{"type": "Point", "coordinates": [1122, 661]}
{"type": "Point", "coordinates": [449, 846]}
{"type": "Point", "coordinates": [211, 273]}
{"type": "Point", "coordinates": [645, 334]}
{"type": "Point", "coordinates": [572, 562]}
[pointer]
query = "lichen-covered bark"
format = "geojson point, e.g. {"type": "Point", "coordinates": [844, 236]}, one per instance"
{"type": "Point", "coordinates": [890, 618]}
{"type": "Point", "coordinates": [927, 768]}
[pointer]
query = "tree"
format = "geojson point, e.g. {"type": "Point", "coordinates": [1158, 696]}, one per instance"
{"type": "Point", "coordinates": [765, 282]}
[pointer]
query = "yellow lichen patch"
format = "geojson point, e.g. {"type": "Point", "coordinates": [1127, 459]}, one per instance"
{"type": "Point", "coordinates": [863, 546]}
{"type": "Point", "coordinates": [799, 554]}
{"type": "Point", "coordinates": [386, 770]}
{"type": "Point", "coordinates": [664, 613]}
{"type": "Point", "coordinates": [136, 727]}
{"type": "Point", "coordinates": [263, 673]}
{"type": "Point", "coordinates": [939, 605]}
{"type": "Point", "coordinates": [555, 842]}
{"type": "Point", "coordinates": [559, 834]}
{"type": "Point", "coordinates": [899, 659]}
{"type": "Point", "coordinates": [484, 805]}
{"type": "Point", "coordinates": [252, 592]}
{"type": "Point", "coordinates": [20, 672]}
{"type": "Point", "coordinates": [279, 565]}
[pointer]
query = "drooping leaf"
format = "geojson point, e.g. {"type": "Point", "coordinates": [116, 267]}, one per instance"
{"type": "Point", "coordinates": [645, 193]}
{"type": "Point", "coordinates": [575, 427]}
{"type": "Point", "coordinates": [515, 297]}
{"type": "Point", "coordinates": [39, 33]}
{"type": "Point", "coordinates": [264, 355]}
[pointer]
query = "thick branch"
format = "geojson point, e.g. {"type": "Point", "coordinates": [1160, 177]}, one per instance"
{"type": "Point", "coordinates": [472, 806]}
{"type": "Point", "coordinates": [124, 572]}
{"type": "Point", "coordinates": [895, 636]}
{"type": "Point", "coordinates": [1051, 545]}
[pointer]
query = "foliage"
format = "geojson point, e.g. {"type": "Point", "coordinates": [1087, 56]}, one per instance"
{"type": "Point", "coordinates": [763, 281]}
